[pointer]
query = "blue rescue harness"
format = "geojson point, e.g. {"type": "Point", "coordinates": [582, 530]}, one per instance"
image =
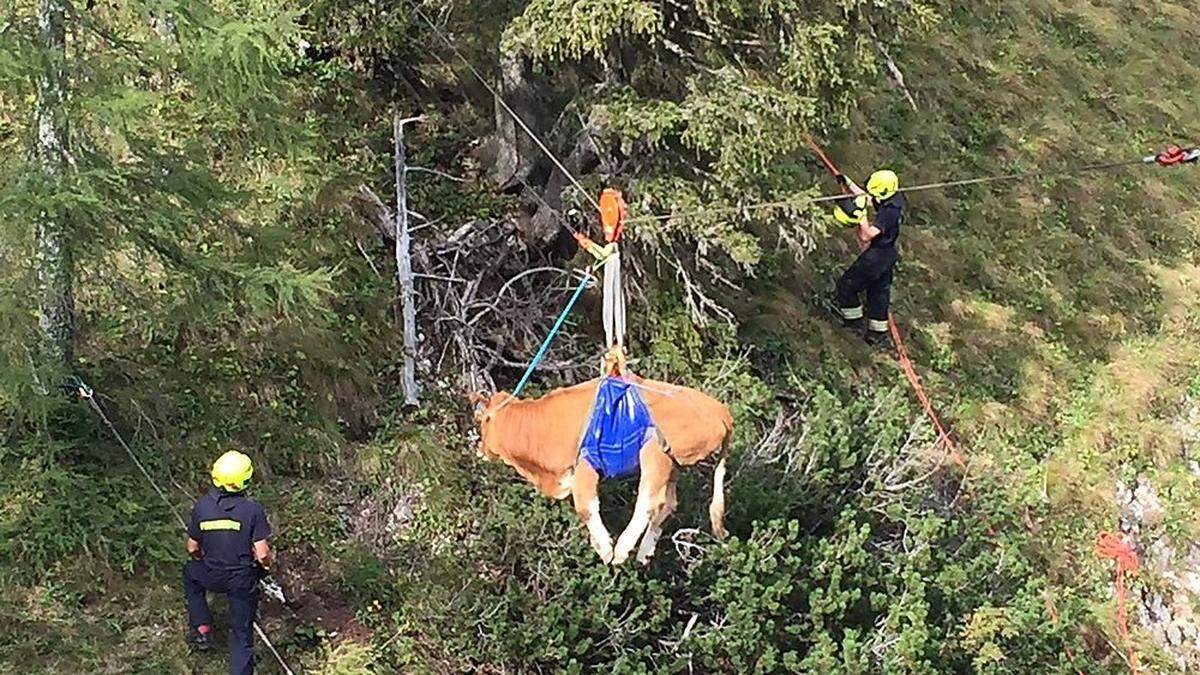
{"type": "Point", "coordinates": [618, 428]}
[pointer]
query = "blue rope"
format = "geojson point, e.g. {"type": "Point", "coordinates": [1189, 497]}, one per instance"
{"type": "Point", "coordinates": [541, 353]}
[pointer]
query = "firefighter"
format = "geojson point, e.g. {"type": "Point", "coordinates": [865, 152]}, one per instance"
{"type": "Point", "coordinates": [871, 272]}
{"type": "Point", "coordinates": [227, 539]}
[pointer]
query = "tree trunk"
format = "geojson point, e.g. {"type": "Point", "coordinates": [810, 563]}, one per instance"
{"type": "Point", "coordinates": [516, 155]}
{"type": "Point", "coordinates": [52, 247]}
{"type": "Point", "coordinates": [545, 226]}
{"type": "Point", "coordinates": [404, 274]}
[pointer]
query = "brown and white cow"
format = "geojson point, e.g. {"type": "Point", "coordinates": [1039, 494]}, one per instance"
{"type": "Point", "coordinates": [540, 438]}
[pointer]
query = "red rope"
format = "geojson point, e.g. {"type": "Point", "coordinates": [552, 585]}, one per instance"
{"type": "Point", "coordinates": [911, 373]}
{"type": "Point", "coordinates": [944, 436]}
{"type": "Point", "coordinates": [829, 165]}
{"type": "Point", "coordinates": [1109, 545]}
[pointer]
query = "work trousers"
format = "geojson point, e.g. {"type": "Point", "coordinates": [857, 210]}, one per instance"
{"type": "Point", "coordinates": [871, 273]}
{"type": "Point", "coordinates": [242, 590]}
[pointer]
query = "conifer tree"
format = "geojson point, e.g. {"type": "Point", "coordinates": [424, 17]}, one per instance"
{"type": "Point", "coordinates": [52, 241]}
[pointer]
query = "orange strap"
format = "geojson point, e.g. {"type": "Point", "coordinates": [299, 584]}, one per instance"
{"type": "Point", "coordinates": [600, 253]}
{"type": "Point", "coordinates": [1110, 545]}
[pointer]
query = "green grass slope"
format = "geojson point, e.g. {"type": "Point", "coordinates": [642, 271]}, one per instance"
{"type": "Point", "coordinates": [1053, 322]}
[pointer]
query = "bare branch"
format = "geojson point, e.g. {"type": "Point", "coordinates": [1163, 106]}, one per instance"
{"type": "Point", "coordinates": [378, 213]}
{"type": "Point", "coordinates": [441, 174]}
{"type": "Point", "coordinates": [490, 307]}
{"type": "Point", "coordinates": [366, 257]}
{"type": "Point", "coordinates": [892, 68]}
{"type": "Point", "coordinates": [435, 277]}
{"type": "Point", "coordinates": [404, 273]}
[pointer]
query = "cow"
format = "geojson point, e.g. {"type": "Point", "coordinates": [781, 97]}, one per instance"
{"type": "Point", "coordinates": [541, 438]}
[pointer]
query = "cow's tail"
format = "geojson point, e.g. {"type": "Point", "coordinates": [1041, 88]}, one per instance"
{"type": "Point", "coordinates": [716, 508]}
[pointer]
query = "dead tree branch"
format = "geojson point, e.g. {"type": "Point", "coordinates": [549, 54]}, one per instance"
{"type": "Point", "coordinates": [892, 68]}
{"type": "Point", "coordinates": [404, 273]}
{"type": "Point", "coordinates": [377, 213]}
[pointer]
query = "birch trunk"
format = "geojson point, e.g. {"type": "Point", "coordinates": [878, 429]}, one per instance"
{"type": "Point", "coordinates": [404, 274]}
{"type": "Point", "coordinates": [52, 251]}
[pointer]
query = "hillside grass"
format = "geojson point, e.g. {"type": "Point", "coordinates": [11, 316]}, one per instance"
{"type": "Point", "coordinates": [1053, 319]}
{"type": "Point", "coordinates": [1053, 322]}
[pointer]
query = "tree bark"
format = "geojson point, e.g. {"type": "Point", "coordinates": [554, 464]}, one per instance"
{"type": "Point", "coordinates": [516, 155]}
{"type": "Point", "coordinates": [52, 246]}
{"type": "Point", "coordinates": [544, 226]}
{"type": "Point", "coordinates": [404, 274]}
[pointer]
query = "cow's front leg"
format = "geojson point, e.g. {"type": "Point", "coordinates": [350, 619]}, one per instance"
{"type": "Point", "coordinates": [585, 493]}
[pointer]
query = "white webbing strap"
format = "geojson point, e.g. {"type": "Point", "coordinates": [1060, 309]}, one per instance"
{"type": "Point", "coordinates": [614, 302]}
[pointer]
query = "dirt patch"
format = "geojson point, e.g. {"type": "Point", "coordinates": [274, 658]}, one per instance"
{"type": "Point", "coordinates": [314, 599]}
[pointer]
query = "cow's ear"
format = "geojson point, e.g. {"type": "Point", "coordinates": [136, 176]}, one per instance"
{"type": "Point", "coordinates": [479, 402]}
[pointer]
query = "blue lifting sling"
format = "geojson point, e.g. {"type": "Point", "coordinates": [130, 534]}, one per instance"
{"type": "Point", "coordinates": [617, 429]}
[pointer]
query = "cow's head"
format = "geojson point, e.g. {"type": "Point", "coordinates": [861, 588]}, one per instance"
{"type": "Point", "coordinates": [485, 408]}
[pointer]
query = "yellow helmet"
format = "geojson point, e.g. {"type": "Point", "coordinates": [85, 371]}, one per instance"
{"type": "Point", "coordinates": [232, 471]}
{"type": "Point", "coordinates": [883, 184]}
{"type": "Point", "coordinates": [851, 210]}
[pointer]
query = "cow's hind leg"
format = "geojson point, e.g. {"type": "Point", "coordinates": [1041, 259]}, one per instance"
{"type": "Point", "coordinates": [585, 493]}
{"type": "Point", "coordinates": [650, 539]}
{"type": "Point", "coordinates": [716, 509]}
{"type": "Point", "coordinates": [656, 468]}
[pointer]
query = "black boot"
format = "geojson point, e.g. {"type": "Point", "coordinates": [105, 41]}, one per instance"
{"type": "Point", "coordinates": [201, 642]}
{"type": "Point", "coordinates": [879, 339]}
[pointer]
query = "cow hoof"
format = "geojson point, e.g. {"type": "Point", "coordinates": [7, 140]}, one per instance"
{"type": "Point", "coordinates": [644, 559]}
{"type": "Point", "coordinates": [605, 551]}
{"type": "Point", "coordinates": [620, 557]}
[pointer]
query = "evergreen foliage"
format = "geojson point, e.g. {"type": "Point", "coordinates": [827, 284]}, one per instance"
{"type": "Point", "coordinates": [710, 102]}
{"type": "Point", "coordinates": [231, 289]}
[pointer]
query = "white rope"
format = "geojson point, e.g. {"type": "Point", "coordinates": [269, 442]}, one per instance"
{"type": "Point", "coordinates": [808, 201]}
{"type": "Point", "coordinates": [87, 394]}
{"type": "Point", "coordinates": [262, 634]}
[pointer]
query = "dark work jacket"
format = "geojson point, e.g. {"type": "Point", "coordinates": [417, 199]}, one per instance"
{"type": "Point", "coordinates": [888, 215]}
{"type": "Point", "coordinates": [227, 525]}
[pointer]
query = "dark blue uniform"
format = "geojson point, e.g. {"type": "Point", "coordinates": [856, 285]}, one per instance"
{"type": "Point", "coordinates": [227, 525]}
{"type": "Point", "coordinates": [872, 270]}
